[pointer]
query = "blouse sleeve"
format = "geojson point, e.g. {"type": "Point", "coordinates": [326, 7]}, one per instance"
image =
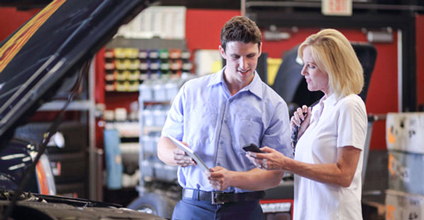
{"type": "Point", "coordinates": [352, 123]}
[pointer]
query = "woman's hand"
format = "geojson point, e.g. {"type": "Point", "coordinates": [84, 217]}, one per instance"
{"type": "Point", "coordinates": [271, 160]}
{"type": "Point", "coordinates": [301, 118]}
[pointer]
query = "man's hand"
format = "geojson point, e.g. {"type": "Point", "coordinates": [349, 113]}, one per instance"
{"type": "Point", "coordinates": [219, 178]}
{"type": "Point", "coordinates": [182, 159]}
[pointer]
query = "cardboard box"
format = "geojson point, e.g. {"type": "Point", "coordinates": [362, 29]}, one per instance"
{"type": "Point", "coordinates": [405, 132]}
{"type": "Point", "coordinates": [406, 172]}
{"type": "Point", "coordinates": [401, 205]}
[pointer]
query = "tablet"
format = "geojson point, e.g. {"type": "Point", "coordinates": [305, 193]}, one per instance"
{"type": "Point", "coordinates": [189, 152]}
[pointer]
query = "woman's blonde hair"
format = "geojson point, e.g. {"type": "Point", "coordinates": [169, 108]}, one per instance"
{"type": "Point", "coordinates": [334, 55]}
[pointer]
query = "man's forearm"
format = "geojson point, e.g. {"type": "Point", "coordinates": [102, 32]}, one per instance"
{"type": "Point", "coordinates": [256, 179]}
{"type": "Point", "coordinates": [165, 151]}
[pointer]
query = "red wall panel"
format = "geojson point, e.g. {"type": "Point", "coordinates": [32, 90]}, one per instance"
{"type": "Point", "coordinates": [203, 27]}
{"type": "Point", "coordinates": [99, 93]}
{"type": "Point", "coordinates": [11, 19]}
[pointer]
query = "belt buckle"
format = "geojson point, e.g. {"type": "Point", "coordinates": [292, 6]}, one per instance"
{"type": "Point", "coordinates": [218, 198]}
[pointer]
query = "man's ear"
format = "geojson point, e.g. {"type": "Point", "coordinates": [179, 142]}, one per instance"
{"type": "Point", "coordinates": [260, 49]}
{"type": "Point", "coordinates": [222, 51]}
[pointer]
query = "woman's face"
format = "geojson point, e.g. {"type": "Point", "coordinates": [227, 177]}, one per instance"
{"type": "Point", "coordinates": [315, 77]}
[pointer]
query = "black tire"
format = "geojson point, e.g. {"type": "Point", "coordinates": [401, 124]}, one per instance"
{"type": "Point", "coordinates": [154, 203]}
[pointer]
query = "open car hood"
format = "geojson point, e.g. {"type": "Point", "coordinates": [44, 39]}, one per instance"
{"type": "Point", "coordinates": [55, 43]}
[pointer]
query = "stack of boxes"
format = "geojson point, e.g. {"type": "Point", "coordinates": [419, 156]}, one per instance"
{"type": "Point", "coordinates": [405, 144]}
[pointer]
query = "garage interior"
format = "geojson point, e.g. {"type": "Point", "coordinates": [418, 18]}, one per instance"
{"type": "Point", "coordinates": [113, 125]}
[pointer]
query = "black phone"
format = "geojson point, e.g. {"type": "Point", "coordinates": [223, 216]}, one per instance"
{"type": "Point", "coordinates": [253, 148]}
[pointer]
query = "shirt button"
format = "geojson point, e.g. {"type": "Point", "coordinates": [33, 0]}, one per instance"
{"type": "Point", "coordinates": [221, 142]}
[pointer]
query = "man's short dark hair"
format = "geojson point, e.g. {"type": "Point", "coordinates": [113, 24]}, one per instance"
{"type": "Point", "coordinates": [241, 29]}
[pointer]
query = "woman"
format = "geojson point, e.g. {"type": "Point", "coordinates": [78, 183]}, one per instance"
{"type": "Point", "coordinates": [329, 151]}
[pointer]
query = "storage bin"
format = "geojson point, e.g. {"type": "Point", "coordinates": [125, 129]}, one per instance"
{"type": "Point", "coordinates": [405, 132]}
{"type": "Point", "coordinates": [146, 170]}
{"type": "Point", "coordinates": [401, 205]}
{"type": "Point", "coordinates": [406, 172]}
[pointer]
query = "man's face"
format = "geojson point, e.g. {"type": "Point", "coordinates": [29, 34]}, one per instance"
{"type": "Point", "coordinates": [241, 59]}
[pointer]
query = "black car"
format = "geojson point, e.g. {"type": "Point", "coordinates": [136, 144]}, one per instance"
{"type": "Point", "coordinates": [55, 44]}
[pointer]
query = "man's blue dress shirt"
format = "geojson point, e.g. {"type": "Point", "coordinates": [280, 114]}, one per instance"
{"type": "Point", "coordinates": [217, 125]}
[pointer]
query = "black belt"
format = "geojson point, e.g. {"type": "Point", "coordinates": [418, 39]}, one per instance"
{"type": "Point", "coordinates": [222, 197]}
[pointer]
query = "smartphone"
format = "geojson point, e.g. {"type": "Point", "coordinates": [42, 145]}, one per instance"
{"type": "Point", "coordinates": [253, 148]}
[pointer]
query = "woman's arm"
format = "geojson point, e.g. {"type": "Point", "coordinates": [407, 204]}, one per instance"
{"type": "Point", "coordinates": [340, 173]}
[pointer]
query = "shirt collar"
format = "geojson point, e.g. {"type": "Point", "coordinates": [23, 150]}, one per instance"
{"type": "Point", "coordinates": [254, 86]}
{"type": "Point", "coordinates": [217, 78]}
{"type": "Point", "coordinates": [331, 100]}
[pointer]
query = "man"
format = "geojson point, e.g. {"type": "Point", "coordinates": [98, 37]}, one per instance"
{"type": "Point", "coordinates": [216, 116]}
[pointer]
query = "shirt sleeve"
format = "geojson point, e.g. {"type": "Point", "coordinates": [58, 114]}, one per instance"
{"type": "Point", "coordinates": [174, 124]}
{"type": "Point", "coordinates": [352, 124]}
{"type": "Point", "coordinates": [277, 135]}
